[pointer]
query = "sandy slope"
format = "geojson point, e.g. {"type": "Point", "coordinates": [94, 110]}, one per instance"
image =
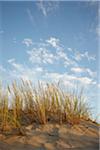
{"type": "Point", "coordinates": [54, 137]}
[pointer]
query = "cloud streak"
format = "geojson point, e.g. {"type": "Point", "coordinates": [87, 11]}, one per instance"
{"type": "Point", "coordinates": [80, 56]}
{"type": "Point", "coordinates": [27, 41]}
{"type": "Point", "coordinates": [19, 71]}
{"type": "Point", "coordinates": [84, 70]}
{"type": "Point", "coordinates": [69, 78]}
{"type": "Point", "coordinates": [31, 17]}
{"type": "Point", "coordinates": [46, 7]}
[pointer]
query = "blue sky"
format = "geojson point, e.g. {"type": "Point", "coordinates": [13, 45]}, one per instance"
{"type": "Point", "coordinates": [51, 41]}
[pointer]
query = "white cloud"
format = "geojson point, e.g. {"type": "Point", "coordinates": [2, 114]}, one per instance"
{"type": "Point", "coordinates": [23, 71]}
{"type": "Point", "coordinates": [77, 70]}
{"type": "Point", "coordinates": [54, 42]}
{"type": "Point", "coordinates": [79, 56]}
{"type": "Point", "coordinates": [46, 7]}
{"type": "Point", "coordinates": [11, 60]}
{"type": "Point", "coordinates": [39, 69]}
{"type": "Point", "coordinates": [89, 57]}
{"type": "Point", "coordinates": [16, 66]}
{"type": "Point", "coordinates": [85, 80]}
{"type": "Point", "coordinates": [54, 76]}
{"type": "Point", "coordinates": [69, 62]}
{"type": "Point", "coordinates": [27, 42]}
{"type": "Point", "coordinates": [26, 74]}
{"type": "Point", "coordinates": [3, 73]}
{"type": "Point", "coordinates": [69, 78]}
{"type": "Point", "coordinates": [57, 77]}
{"type": "Point", "coordinates": [42, 8]}
{"type": "Point", "coordinates": [61, 55]}
{"type": "Point", "coordinates": [41, 55]}
{"type": "Point", "coordinates": [19, 71]}
{"type": "Point", "coordinates": [98, 31]}
{"type": "Point", "coordinates": [98, 85]}
{"type": "Point", "coordinates": [2, 69]}
{"type": "Point", "coordinates": [69, 49]}
{"type": "Point", "coordinates": [84, 70]}
{"type": "Point", "coordinates": [91, 73]}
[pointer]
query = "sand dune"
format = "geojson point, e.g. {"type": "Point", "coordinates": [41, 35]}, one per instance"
{"type": "Point", "coordinates": [84, 136]}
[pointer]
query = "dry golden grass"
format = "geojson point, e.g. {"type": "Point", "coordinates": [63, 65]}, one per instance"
{"type": "Point", "coordinates": [22, 104]}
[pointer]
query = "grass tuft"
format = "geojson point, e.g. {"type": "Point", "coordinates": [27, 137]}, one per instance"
{"type": "Point", "coordinates": [22, 104]}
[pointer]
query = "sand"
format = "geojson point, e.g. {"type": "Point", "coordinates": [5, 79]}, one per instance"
{"type": "Point", "coordinates": [84, 136]}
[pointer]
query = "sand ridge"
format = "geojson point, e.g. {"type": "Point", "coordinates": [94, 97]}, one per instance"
{"type": "Point", "coordinates": [84, 136]}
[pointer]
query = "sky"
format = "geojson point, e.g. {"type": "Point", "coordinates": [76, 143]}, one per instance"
{"type": "Point", "coordinates": [51, 41]}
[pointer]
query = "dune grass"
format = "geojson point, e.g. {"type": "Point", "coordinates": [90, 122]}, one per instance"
{"type": "Point", "coordinates": [23, 104]}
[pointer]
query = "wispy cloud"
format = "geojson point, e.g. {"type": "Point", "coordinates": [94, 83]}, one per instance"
{"type": "Point", "coordinates": [77, 70]}
{"type": "Point", "coordinates": [42, 8]}
{"type": "Point", "coordinates": [69, 49]}
{"type": "Point", "coordinates": [34, 73]}
{"type": "Point", "coordinates": [98, 31]}
{"type": "Point", "coordinates": [61, 55]}
{"type": "Point", "coordinates": [69, 78]}
{"type": "Point", "coordinates": [31, 16]}
{"type": "Point", "coordinates": [84, 70]}
{"type": "Point", "coordinates": [2, 69]}
{"type": "Point", "coordinates": [51, 52]}
{"type": "Point", "coordinates": [27, 42]}
{"type": "Point", "coordinates": [3, 72]}
{"type": "Point", "coordinates": [79, 56]}
{"type": "Point", "coordinates": [18, 71]}
{"type": "Point", "coordinates": [15, 65]}
{"type": "Point", "coordinates": [11, 60]}
{"type": "Point", "coordinates": [98, 85]}
{"type": "Point", "coordinates": [54, 42]}
{"type": "Point", "coordinates": [41, 55]}
{"type": "Point", "coordinates": [91, 73]}
{"type": "Point", "coordinates": [46, 7]}
{"type": "Point", "coordinates": [39, 69]}
{"type": "Point", "coordinates": [67, 61]}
